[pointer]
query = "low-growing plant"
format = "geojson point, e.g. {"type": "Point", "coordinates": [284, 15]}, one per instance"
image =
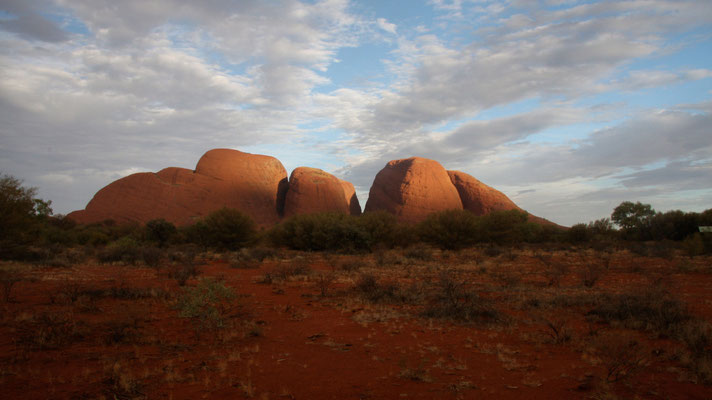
{"type": "Point", "coordinates": [182, 272]}
{"type": "Point", "coordinates": [323, 281]}
{"type": "Point", "coordinates": [8, 278]}
{"type": "Point", "coordinates": [206, 304]}
{"type": "Point", "coordinates": [50, 331]}
{"type": "Point", "coordinates": [452, 300]}
{"type": "Point", "coordinates": [590, 275]}
{"type": "Point", "coordinates": [558, 330]}
{"type": "Point", "coordinates": [125, 250]}
{"type": "Point", "coordinates": [121, 384]}
{"type": "Point", "coordinates": [374, 291]}
{"type": "Point", "coordinates": [621, 355]}
{"type": "Point", "coordinates": [649, 309]}
{"type": "Point", "coordinates": [388, 257]}
{"type": "Point", "coordinates": [419, 253]}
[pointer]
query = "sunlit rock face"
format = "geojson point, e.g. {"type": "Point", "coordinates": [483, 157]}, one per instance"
{"type": "Point", "coordinates": [482, 199]}
{"type": "Point", "coordinates": [478, 197]}
{"type": "Point", "coordinates": [253, 184]}
{"type": "Point", "coordinates": [257, 185]}
{"type": "Point", "coordinates": [412, 188]}
{"type": "Point", "coordinates": [312, 190]}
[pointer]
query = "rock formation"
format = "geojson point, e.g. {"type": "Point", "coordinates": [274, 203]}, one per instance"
{"type": "Point", "coordinates": [351, 199]}
{"type": "Point", "coordinates": [312, 190]}
{"type": "Point", "coordinates": [412, 188]}
{"type": "Point", "coordinates": [253, 184]}
{"type": "Point", "coordinates": [257, 185]}
{"type": "Point", "coordinates": [478, 197]}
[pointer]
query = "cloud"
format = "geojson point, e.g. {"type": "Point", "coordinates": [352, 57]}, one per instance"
{"type": "Point", "coordinates": [386, 26]}
{"type": "Point", "coordinates": [480, 89]}
{"type": "Point", "coordinates": [27, 22]}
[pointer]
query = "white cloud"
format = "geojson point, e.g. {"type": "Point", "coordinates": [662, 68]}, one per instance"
{"type": "Point", "coordinates": [386, 26]}
{"type": "Point", "coordinates": [178, 77]}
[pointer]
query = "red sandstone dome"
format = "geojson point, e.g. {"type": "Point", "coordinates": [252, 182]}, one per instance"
{"type": "Point", "coordinates": [351, 199]}
{"type": "Point", "coordinates": [253, 184]}
{"type": "Point", "coordinates": [312, 190]}
{"type": "Point", "coordinates": [412, 188]}
{"type": "Point", "coordinates": [257, 185]}
{"type": "Point", "coordinates": [478, 197]}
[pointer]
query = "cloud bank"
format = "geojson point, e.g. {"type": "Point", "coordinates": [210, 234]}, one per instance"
{"type": "Point", "coordinates": [568, 107]}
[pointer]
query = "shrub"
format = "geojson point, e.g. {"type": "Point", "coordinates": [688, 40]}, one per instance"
{"type": "Point", "coordinates": [8, 279]}
{"type": "Point", "coordinates": [650, 309]}
{"type": "Point", "coordinates": [50, 331]}
{"type": "Point", "coordinates": [506, 227]}
{"type": "Point", "coordinates": [207, 304]}
{"type": "Point", "coordinates": [322, 231]}
{"type": "Point", "coordinates": [383, 230]}
{"type": "Point", "coordinates": [250, 258]}
{"type": "Point", "coordinates": [579, 233]}
{"type": "Point", "coordinates": [160, 231]}
{"type": "Point", "coordinates": [224, 229]}
{"type": "Point", "coordinates": [621, 355]}
{"type": "Point", "coordinates": [451, 229]}
{"type": "Point", "coordinates": [453, 301]}
{"type": "Point", "coordinates": [369, 288]}
{"type": "Point", "coordinates": [125, 250]}
{"type": "Point", "coordinates": [152, 256]}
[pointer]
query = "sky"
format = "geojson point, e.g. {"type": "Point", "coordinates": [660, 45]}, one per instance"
{"type": "Point", "coordinates": [568, 107]}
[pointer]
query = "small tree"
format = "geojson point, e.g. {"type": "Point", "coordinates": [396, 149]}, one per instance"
{"type": "Point", "coordinates": [634, 218]}
{"type": "Point", "coordinates": [20, 212]}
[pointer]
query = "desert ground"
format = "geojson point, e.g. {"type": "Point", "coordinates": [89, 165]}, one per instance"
{"type": "Point", "coordinates": [518, 322]}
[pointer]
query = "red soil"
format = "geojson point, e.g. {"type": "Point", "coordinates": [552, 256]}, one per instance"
{"type": "Point", "coordinates": [287, 341]}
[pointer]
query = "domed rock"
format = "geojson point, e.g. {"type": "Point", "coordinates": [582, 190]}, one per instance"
{"type": "Point", "coordinates": [412, 188]}
{"type": "Point", "coordinates": [312, 190]}
{"type": "Point", "coordinates": [253, 184]}
{"type": "Point", "coordinates": [478, 197]}
{"type": "Point", "coordinates": [351, 199]}
{"type": "Point", "coordinates": [482, 199]}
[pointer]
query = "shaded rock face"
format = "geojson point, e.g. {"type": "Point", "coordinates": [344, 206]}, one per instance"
{"type": "Point", "coordinates": [312, 190]}
{"type": "Point", "coordinates": [478, 197]}
{"type": "Point", "coordinates": [253, 184]}
{"type": "Point", "coordinates": [351, 199]}
{"type": "Point", "coordinates": [412, 188]}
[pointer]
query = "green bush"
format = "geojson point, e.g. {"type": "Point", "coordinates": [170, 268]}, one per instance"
{"type": "Point", "coordinates": [451, 229]}
{"type": "Point", "coordinates": [383, 230]}
{"type": "Point", "coordinates": [21, 217]}
{"type": "Point", "coordinates": [206, 304]}
{"type": "Point", "coordinates": [160, 231]}
{"type": "Point", "coordinates": [507, 227]}
{"type": "Point", "coordinates": [224, 229]}
{"type": "Point", "coordinates": [322, 231]}
{"type": "Point", "coordinates": [650, 310]}
{"type": "Point", "coordinates": [125, 250]}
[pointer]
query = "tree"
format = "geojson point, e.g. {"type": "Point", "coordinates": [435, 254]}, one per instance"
{"type": "Point", "coordinates": [634, 219]}
{"type": "Point", "coordinates": [19, 209]}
